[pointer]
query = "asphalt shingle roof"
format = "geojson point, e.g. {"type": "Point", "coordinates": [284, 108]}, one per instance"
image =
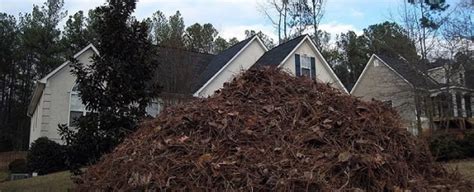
{"type": "Point", "coordinates": [275, 56]}
{"type": "Point", "coordinates": [409, 72]}
{"type": "Point", "coordinates": [178, 70]}
{"type": "Point", "coordinates": [219, 61]}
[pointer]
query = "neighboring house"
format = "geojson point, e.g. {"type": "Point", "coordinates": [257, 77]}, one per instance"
{"type": "Point", "coordinates": [413, 92]}
{"type": "Point", "coordinates": [184, 75]}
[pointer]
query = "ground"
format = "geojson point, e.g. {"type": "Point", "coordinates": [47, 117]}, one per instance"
{"type": "Point", "coordinates": [465, 167]}
{"type": "Point", "coordinates": [53, 182]}
{"type": "Point", "coordinates": [61, 181]}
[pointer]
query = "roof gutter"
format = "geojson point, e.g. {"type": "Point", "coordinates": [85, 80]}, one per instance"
{"type": "Point", "coordinates": [40, 85]}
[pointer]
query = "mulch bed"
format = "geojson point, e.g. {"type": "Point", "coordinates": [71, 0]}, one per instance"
{"type": "Point", "coordinates": [268, 131]}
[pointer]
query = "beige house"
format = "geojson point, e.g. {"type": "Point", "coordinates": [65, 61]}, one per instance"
{"type": "Point", "coordinates": [56, 100]}
{"type": "Point", "coordinates": [415, 92]}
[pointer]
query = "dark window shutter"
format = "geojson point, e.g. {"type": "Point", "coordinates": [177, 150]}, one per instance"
{"type": "Point", "coordinates": [313, 68]}
{"type": "Point", "coordinates": [297, 65]}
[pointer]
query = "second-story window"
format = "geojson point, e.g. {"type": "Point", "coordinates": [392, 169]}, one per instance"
{"type": "Point", "coordinates": [305, 66]}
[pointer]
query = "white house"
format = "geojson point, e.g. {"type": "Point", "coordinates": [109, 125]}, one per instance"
{"type": "Point", "coordinates": [300, 57]}
{"type": "Point", "coordinates": [55, 99]}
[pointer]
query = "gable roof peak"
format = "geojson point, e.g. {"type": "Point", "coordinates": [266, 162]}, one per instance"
{"type": "Point", "coordinates": [220, 61]}
{"type": "Point", "coordinates": [275, 56]}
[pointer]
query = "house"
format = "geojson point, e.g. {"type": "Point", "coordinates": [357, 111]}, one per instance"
{"type": "Point", "coordinates": [54, 96]}
{"type": "Point", "coordinates": [184, 75]}
{"type": "Point", "coordinates": [228, 64]}
{"type": "Point", "coordinates": [415, 92]}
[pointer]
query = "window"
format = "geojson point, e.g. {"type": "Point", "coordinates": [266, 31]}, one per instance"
{"type": "Point", "coordinates": [76, 107]}
{"type": "Point", "coordinates": [305, 66]}
{"type": "Point", "coordinates": [461, 79]}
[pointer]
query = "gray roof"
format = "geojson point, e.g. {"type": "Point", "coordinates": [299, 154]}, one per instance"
{"type": "Point", "coordinates": [219, 61]}
{"type": "Point", "coordinates": [178, 70]}
{"type": "Point", "coordinates": [275, 56]}
{"type": "Point", "coordinates": [409, 72]}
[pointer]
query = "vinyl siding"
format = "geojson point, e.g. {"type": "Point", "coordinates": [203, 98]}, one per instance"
{"type": "Point", "coordinates": [243, 62]}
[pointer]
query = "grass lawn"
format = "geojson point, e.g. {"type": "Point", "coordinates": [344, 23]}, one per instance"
{"type": "Point", "coordinates": [465, 167]}
{"type": "Point", "coordinates": [53, 182]}
{"type": "Point", "coordinates": [3, 175]}
{"type": "Point", "coordinates": [61, 181]}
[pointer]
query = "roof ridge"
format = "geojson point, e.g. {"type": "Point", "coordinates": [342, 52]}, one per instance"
{"type": "Point", "coordinates": [182, 49]}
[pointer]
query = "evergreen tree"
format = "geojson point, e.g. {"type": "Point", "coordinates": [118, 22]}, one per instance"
{"type": "Point", "coordinates": [390, 39]}
{"type": "Point", "coordinates": [8, 78]}
{"type": "Point", "coordinates": [355, 55]}
{"type": "Point", "coordinates": [116, 87]}
{"type": "Point", "coordinates": [200, 38]}
{"type": "Point", "coordinates": [267, 40]}
{"type": "Point", "coordinates": [220, 44]}
{"type": "Point", "coordinates": [75, 34]}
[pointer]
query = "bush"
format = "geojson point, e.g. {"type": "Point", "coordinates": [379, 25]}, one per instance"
{"type": "Point", "coordinates": [46, 156]}
{"type": "Point", "coordinates": [18, 166]}
{"type": "Point", "coordinates": [447, 146]}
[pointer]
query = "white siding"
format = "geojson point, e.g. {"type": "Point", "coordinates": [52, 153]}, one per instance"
{"type": "Point", "coordinates": [53, 107]}
{"type": "Point", "coordinates": [244, 61]}
{"type": "Point", "coordinates": [323, 73]}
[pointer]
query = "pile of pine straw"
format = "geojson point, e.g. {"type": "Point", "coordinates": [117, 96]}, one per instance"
{"type": "Point", "coordinates": [268, 131]}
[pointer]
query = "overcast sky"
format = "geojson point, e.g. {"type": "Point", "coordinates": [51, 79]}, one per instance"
{"type": "Point", "coordinates": [232, 17]}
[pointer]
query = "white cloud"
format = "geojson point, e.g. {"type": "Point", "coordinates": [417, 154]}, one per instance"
{"type": "Point", "coordinates": [238, 31]}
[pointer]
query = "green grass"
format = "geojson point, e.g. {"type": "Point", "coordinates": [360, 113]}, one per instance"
{"type": "Point", "coordinates": [3, 175]}
{"type": "Point", "coordinates": [465, 167]}
{"type": "Point", "coordinates": [52, 182]}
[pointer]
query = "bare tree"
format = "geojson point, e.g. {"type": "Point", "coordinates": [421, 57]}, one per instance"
{"type": "Point", "coordinates": [294, 17]}
{"type": "Point", "coordinates": [280, 19]}
{"type": "Point", "coordinates": [422, 19]}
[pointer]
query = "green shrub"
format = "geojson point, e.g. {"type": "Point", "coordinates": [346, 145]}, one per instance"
{"type": "Point", "coordinates": [46, 156]}
{"type": "Point", "coordinates": [447, 146]}
{"type": "Point", "coordinates": [469, 143]}
{"type": "Point", "coordinates": [18, 166]}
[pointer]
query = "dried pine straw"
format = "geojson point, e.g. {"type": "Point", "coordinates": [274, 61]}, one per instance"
{"type": "Point", "coordinates": [268, 131]}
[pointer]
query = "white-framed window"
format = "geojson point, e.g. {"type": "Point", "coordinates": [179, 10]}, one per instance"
{"type": "Point", "coordinates": [305, 66]}
{"type": "Point", "coordinates": [76, 107]}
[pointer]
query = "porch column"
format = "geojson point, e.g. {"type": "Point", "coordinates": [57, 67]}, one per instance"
{"type": "Point", "coordinates": [454, 108]}
{"type": "Point", "coordinates": [463, 105]}
{"type": "Point", "coordinates": [472, 105]}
